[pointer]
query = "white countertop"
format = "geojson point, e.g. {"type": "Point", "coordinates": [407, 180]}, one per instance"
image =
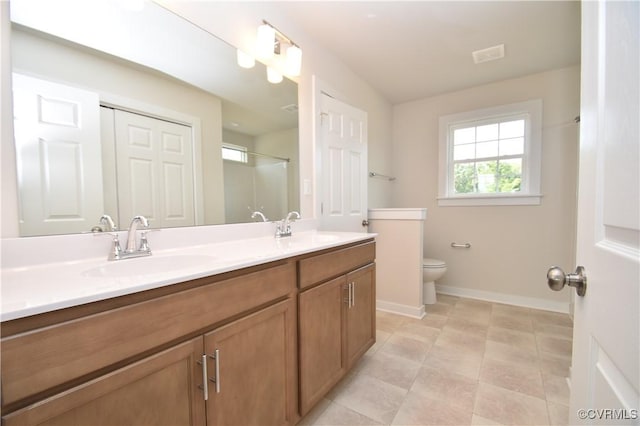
{"type": "Point", "coordinates": [34, 289]}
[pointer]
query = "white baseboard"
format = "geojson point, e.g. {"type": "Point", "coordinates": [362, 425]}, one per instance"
{"type": "Point", "coordinates": [510, 299]}
{"type": "Point", "coordinates": [405, 310]}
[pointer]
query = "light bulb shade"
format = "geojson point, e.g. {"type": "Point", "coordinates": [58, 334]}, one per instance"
{"type": "Point", "coordinates": [265, 41]}
{"type": "Point", "coordinates": [245, 60]}
{"type": "Point", "coordinates": [293, 62]}
{"type": "Point", "coordinates": [273, 75]}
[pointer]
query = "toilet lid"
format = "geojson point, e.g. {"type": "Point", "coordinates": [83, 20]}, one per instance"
{"type": "Point", "coordinates": [432, 263]}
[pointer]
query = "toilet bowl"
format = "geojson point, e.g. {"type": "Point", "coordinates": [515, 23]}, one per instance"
{"type": "Point", "coordinates": [432, 270]}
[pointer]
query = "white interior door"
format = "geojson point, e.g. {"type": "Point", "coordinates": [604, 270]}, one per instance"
{"type": "Point", "coordinates": [154, 170]}
{"type": "Point", "coordinates": [57, 136]}
{"type": "Point", "coordinates": [605, 376]}
{"type": "Point", "coordinates": [344, 166]}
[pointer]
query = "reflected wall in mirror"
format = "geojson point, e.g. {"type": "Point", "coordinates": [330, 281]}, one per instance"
{"type": "Point", "coordinates": [125, 112]}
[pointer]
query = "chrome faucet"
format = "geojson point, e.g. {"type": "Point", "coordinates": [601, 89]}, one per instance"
{"type": "Point", "coordinates": [108, 223]}
{"type": "Point", "coordinates": [132, 247]}
{"type": "Point", "coordinates": [283, 229]}
{"type": "Point", "coordinates": [260, 214]}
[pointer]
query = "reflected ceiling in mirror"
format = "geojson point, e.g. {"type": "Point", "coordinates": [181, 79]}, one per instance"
{"type": "Point", "coordinates": [155, 64]}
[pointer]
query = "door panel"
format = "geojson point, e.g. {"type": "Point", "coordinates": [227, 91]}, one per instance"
{"type": "Point", "coordinates": [606, 364]}
{"type": "Point", "coordinates": [158, 390]}
{"type": "Point", "coordinates": [322, 340]}
{"type": "Point", "coordinates": [256, 363]}
{"type": "Point", "coordinates": [344, 165]}
{"type": "Point", "coordinates": [154, 170]}
{"type": "Point", "coordinates": [361, 316]}
{"type": "Point", "coordinates": [57, 136]}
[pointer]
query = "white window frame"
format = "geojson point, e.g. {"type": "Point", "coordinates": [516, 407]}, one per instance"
{"type": "Point", "coordinates": [238, 148]}
{"type": "Point", "coordinates": [529, 193]}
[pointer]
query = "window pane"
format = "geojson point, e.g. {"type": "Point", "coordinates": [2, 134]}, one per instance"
{"type": "Point", "coordinates": [510, 175]}
{"type": "Point", "coordinates": [512, 146]}
{"type": "Point", "coordinates": [464, 152]}
{"type": "Point", "coordinates": [467, 135]}
{"type": "Point", "coordinates": [464, 178]}
{"type": "Point", "coordinates": [487, 149]}
{"type": "Point", "coordinates": [512, 129]}
{"type": "Point", "coordinates": [487, 133]}
{"type": "Point", "coordinates": [486, 175]}
{"type": "Point", "coordinates": [234, 154]}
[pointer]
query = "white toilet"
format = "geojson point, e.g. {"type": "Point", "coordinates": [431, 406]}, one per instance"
{"type": "Point", "coordinates": [432, 270]}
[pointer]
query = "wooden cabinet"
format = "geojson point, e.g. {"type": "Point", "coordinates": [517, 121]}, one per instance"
{"type": "Point", "coordinates": [336, 321]}
{"type": "Point", "coordinates": [250, 319]}
{"type": "Point", "coordinates": [157, 390]}
{"type": "Point", "coordinates": [322, 340]}
{"type": "Point", "coordinates": [251, 364]}
{"type": "Point", "coordinates": [259, 346]}
{"type": "Point", "coordinates": [255, 382]}
{"type": "Point", "coordinates": [360, 318]}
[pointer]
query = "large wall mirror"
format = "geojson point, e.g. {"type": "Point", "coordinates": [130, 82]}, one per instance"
{"type": "Point", "coordinates": [128, 111]}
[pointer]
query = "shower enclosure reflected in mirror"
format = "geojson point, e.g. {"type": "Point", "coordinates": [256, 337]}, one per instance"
{"type": "Point", "coordinates": [126, 112]}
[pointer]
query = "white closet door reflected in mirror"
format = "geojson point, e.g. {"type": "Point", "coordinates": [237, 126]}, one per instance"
{"type": "Point", "coordinates": [154, 169]}
{"type": "Point", "coordinates": [58, 153]}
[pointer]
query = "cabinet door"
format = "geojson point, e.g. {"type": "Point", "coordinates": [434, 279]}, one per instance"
{"type": "Point", "coordinates": [322, 340]}
{"type": "Point", "coordinates": [256, 369]}
{"type": "Point", "coordinates": [361, 313]}
{"type": "Point", "coordinates": [158, 390]}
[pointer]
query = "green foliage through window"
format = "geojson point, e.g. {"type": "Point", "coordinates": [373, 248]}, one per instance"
{"type": "Point", "coordinates": [488, 157]}
{"type": "Point", "coordinates": [488, 176]}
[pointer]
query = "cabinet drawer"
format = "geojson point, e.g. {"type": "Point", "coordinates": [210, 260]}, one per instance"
{"type": "Point", "coordinates": [320, 268]}
{"type": "Point", "coordinates": [38, 360]}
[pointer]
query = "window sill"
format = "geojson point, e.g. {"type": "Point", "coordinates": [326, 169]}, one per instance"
{"type": "Point", "coordinates": [489, 200]}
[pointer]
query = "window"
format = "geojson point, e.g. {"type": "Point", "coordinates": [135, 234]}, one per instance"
{"type": "Point", "coordinates": [491, 156]}
{"type": "Point", "coordinates": [234, 153]}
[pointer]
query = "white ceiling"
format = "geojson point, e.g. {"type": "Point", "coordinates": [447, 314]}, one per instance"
{"type": "Point", "coordinates": [415, 49]}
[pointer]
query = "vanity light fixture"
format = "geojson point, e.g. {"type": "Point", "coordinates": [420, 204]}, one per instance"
{"type": "Point", "coordinates": [283, 54]}
{"type": "Point", "coordinates": [273, 75]}
{"type": "Point", "coordinates": [266, 41]}
{"type": "Point", "coordinates": [245, 60]}
{"type": "Point", "coordinates": [293, 64]}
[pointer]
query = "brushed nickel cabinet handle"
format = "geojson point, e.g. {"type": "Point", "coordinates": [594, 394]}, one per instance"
{"type": "Point", "coordinates": [348, 299]}
{"type": "Point", "coordinates": [216, 380]}
{"type": "Point", "coordinates": [205, 385]}
{"type": "Point", "coordinates": [353, 293]}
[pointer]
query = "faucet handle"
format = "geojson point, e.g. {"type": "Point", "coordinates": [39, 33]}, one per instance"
{"type": "Point", "coordinates": [116, 250]}
{"type": "Point", "coordinates": [144, 243]}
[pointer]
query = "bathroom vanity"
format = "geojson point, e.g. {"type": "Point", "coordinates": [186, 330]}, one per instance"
{"type": "Point", "coordinates": [256, 343]}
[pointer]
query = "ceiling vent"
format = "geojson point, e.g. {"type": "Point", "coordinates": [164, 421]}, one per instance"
{"type": "Point", "coordinates": [488, 54]}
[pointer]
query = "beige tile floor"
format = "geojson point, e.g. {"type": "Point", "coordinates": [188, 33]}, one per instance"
{"type": "Point", "coordinates": [467, 362]}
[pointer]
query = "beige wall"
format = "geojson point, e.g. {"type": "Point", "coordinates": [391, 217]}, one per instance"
{"type": "Point", "coordinates": [512, 246]}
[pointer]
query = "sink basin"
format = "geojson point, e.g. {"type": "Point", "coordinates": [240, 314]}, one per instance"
{"type": "Point", "coordinates": [149, 265]}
